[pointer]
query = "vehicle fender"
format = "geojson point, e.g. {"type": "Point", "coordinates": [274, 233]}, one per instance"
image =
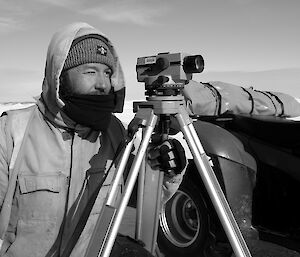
{"type": "Point", "coordinates": [237, 171]}
{"type": "Point", "coordinates": [219, 142]}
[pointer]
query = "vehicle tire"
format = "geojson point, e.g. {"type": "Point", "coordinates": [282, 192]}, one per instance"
{"type": "Point", "coordinates": [184, 228]}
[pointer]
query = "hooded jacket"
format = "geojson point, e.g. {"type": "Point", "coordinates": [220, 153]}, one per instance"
{"type": "Point", "coordinates": [61, 165]}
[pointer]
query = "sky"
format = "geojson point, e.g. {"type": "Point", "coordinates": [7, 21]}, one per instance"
{"type": "Point", "coordinates": [249, 36]}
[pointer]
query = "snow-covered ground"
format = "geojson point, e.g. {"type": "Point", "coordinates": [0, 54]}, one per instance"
{"type": "Point", "coordinates": [127, 114]}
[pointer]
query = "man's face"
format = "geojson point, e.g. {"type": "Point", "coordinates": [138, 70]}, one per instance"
{"type": "Point", "coordinates": [89, 79]}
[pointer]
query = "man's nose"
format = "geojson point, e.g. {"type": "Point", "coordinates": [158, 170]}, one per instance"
{"type": "Point", "coordinates": [100, 83]}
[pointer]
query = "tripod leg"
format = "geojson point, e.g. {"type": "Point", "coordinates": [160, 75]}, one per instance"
{"type": "Point", "coordinates": [150, 207]}
{"type": "Point", "coordinates": [212, 186]}
{"type": "Point", "coordinates": [140, 201]}
{"type": "Point", "coordinates": [117, 217]}
{"type": "Point", "coordinates": [119, 172]}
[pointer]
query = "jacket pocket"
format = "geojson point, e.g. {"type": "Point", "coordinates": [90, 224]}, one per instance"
{"type": "Point", "coordinates": [40, 196]}
{"type": "Point", "coordinates": [32, 183]}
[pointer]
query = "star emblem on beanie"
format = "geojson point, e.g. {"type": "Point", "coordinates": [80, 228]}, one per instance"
{"type": "Point", "coordinates": [101, 50]}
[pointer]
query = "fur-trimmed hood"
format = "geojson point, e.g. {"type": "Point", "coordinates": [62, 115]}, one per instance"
{"type": "Point", "coordinates": [50, 103]}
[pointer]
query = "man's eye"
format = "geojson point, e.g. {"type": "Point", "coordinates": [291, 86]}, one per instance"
{"type": "Point", "coordinates": [90, 72]}
{"type": "Point", "coordinates": [108, 73]}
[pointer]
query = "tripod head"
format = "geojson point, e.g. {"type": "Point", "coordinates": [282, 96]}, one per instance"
{"type": "Point", "coordinates": [166, 74]}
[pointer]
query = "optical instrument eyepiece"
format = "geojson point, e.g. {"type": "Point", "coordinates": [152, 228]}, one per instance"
{"type": "Point", "coordinates": [193, 64]}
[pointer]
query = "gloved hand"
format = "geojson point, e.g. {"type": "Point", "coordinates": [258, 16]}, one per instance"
{"type": "Point", "coordinates": [168, 157]}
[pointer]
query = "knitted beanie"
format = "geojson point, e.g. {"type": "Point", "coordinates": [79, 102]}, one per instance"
{"type": "Point", "coordinates": [89, 49]}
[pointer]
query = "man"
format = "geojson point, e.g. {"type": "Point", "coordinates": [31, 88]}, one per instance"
{"type": "Point", "coordinates": [68, 147]}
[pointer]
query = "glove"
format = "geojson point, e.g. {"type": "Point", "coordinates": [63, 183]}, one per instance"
{"type": "Point", "coordinates": [168, 157]}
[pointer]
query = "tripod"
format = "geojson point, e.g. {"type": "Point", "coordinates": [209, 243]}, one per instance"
{"type": "Point", "coordinates": [147, 117]}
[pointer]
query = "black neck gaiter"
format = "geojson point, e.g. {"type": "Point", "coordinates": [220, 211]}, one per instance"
{"type": "Point", "coordinates": [93, 111]}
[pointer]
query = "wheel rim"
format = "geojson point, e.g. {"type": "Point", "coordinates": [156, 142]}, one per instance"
{"type": "Point", "coordinates": [180, 220]}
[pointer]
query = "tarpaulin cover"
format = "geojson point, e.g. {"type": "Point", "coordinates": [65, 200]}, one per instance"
{"type": "Point", "coordinates": [217, 98]}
